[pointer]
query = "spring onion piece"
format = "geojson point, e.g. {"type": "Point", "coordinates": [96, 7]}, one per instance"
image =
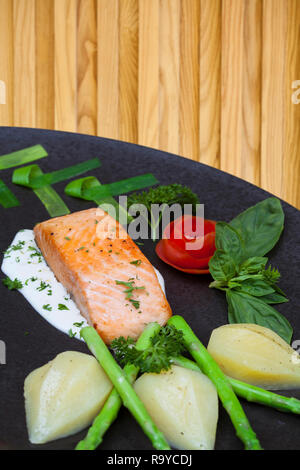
{"type": "Point", "coordinates": [7, 198]}
{"type": "Point", "coordinates": [21, 157]}
{"type": "Point", "coordinates": [86, 188]}
{"type": "Point", "coordinates": [64, 173]}
{"type": "Point", "coordinates": [121, 187]}
{"type": "Point", "coordinates": [47, 195]}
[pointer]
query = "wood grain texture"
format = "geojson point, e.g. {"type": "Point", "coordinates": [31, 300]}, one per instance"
{"type": "Point", "coordinates": [108, 68]}
{"type": "Point", "coordinates": [148, 93]}
{"type": "Point", "coordinates": [87, 67]}
{"type": "Point", "coordinates": [241, 89]}
{"type": "Point", "coordinates": [189, 78]}
{"type": "Point", "coordinates": [128, 70]}
{"type": "Point", "coordinates": [24, 63]}
{"type": "Point", "coordinates": [210, 80]}
{"type": "Point", "coordinates": [65, 16]}
{"type": "Point", "coordinates": [44, 50]}
{"type": "Point", "coordinates": [169, 75]}
{"type": "Point", "coordinates": [7, 61]}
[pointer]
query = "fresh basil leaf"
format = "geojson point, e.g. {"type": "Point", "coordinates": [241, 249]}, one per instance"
{"type": "Point", "coordinates": [274, 298]}
{"type": "Point", "coordinates": [256, 287]}
{"type": "Point", "coordinates": [244, 308]}
{"type": "Point", "coordinates": [260, 227]}
{"type": "Point", "coordinates": [222, 266]}
{"type": "Point", "coordinates": [253, 265]}
{"type": "Point", "coordinates": [229, 240]}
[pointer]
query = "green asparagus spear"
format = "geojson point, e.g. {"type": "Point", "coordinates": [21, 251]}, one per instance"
{"type": "Point", "coordinates": [251, 392]}
{"type": "Point", "coordinates": [224, 389]}
{"type": "Point", "coordinates": [110, 410]}
{"type": "Point", "coordinates": [124, 388]}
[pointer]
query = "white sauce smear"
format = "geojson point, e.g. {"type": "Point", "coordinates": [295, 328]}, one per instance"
{"type": "Point", "coordinates": [23, 261]}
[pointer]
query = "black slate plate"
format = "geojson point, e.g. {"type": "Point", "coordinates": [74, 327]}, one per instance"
{"type": "Point", "coordinates": [224, 197]}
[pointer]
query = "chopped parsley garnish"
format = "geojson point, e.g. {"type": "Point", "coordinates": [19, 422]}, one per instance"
{"type": "Point", "coordinates": [43, 285]}
{"type": "Point", "coordinates": [67, 238]}
{"type": "Point", "coordinates": [135, 303]}
{"type": "Point", "coordinates": [12, 285]}
{"type": "Point", "coordinates": [167, 343]}
{"type": "Point", "coordinates": [71, 334]}
{"type": "Point", "coordinates": [32, 279]}
{"type": "Point", "coordinates": [62, 307]}
{"type": "Point", "coordinates": [78, 325]}
{"type": "Point", "coordinates": [47, 307]}
{"type": "Point", "coordinates": [16, 247]}
{"type": "Point", "coordinates": [136, 262]}
{"type": "Point", "coordinates": [129, 291]}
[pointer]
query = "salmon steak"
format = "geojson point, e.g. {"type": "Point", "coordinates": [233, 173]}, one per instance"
{"type": "Point", "coordinates": [113, 284]}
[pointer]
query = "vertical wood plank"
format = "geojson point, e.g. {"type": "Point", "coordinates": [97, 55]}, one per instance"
{"type": "Point", "coordinates": [6, 61]}
{"type": "Point", "coordinates": [108, 68]}
{"type": "Point", "coordinates": [65, 64]}
{"type": "Point", "coordinates": [44, 30]}
{"type": "Point", "coordinates": [128, 70]}
{"type": "Point", "coordinates": [241, 75]}
{"type": "Point", "coordinates": [291, 159]}
{"type": "Point", "coordinates": [210, 82]}
{"type": "Point", "coordinates": [232, 79]}
{"type": "Point", "coordinates": [189, 78]}
{"type": "Point", "coordinates": [148, 105]}
{"type": "Point", "coordinates": [273, 96]}
{"type": "Point", "coordinates": [169, 57]}
{"type": "Point", "coordinates": [87, 67]}
{"type": "Point", "coordinates": [24, 64]}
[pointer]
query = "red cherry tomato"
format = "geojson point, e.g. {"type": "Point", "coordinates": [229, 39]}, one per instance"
{"type": "Point", "coordinates": [188, 244]}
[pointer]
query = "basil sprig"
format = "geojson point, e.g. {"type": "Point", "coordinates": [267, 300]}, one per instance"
{"type": "Point", "coordinates": [239, 267]}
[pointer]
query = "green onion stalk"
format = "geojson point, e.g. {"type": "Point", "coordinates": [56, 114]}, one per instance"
{"type": "Point", "coordinates": [122, 393]}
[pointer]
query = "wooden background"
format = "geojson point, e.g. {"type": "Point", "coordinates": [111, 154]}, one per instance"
{"type": "Point", "coordinates": [207, 79]}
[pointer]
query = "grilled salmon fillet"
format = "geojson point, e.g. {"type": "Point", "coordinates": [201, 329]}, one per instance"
{"type": "Point", "coordinates": [112, 282]}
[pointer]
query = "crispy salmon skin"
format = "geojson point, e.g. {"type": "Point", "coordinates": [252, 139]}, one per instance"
{"type": "Point", "coordinates": [112, 282]}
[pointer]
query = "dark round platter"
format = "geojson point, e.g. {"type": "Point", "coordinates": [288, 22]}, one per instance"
{"type": "Point", "coordinates": [31, 342]}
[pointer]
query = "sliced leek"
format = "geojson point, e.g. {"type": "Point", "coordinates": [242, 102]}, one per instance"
{"type": "Point", "coordinates": [23, 156]}
{"type": "Point", "coordinates": [7, 197]}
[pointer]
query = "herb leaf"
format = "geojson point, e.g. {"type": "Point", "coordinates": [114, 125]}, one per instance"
{"type": "Point", "coordinates": [12, 285]}
{"type": "Point", "coordinates": [260, 226]}
{"type": "Point", "coordinates": [244, 308]}
{"type": "Point", "coordinates": [165, 344]}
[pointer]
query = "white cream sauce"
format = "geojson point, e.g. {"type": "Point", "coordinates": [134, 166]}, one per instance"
{"type": "Point", "coordinates": [23, 261]}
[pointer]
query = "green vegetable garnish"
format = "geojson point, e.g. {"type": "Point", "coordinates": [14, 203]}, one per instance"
{"type": "Point", "coordinates": [162, 195]}
{"type": "Point", "coordinates": [21, 157]}
{"type": "Point", "coordinates": [239, 267]}
{"type": "Point", "coordinates": [12, 284]}
{"type": "Point", "coordinates": [222, 384]}
{"type": "Point", "coordinates": [123, 387]}
{"type": "Point", "coordinates": [47, 195]}
{"type": "Point", "coordinates": [136, 262]}
{"type": "Point", "coordinates": [167, 342]}
{"type": "Point", "coordinates": [47, 307]}
{"type": "Point", "coordinates": [62, 307]}
{"type": "Point", "coordinates": [7, 197]}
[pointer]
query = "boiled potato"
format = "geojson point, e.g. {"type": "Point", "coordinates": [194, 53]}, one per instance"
{"type": "Point", "coordinates": [64, 396]}
{"type": "Point", "coordinates": [256, 355]}
{"type": "Point", "coordinates": [184, 406]}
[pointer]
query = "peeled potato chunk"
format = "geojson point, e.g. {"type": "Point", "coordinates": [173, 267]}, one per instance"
{"type": "Point", "coordinates": [184, 406]}
{"type": "Point", "coordinates": [64, 396]}
{"type": "Point", "coordinates": [256, 355]}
